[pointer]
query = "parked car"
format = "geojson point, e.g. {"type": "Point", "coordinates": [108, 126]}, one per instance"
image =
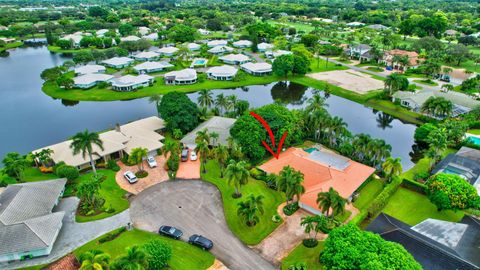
{"type": "Point", "coordinates": [170, 232]}
{"type": "Point", "coordinates": [200, 241]}
{"type": "Point", "coordinates": [152, 163]}
{"type": "Point", "coordinates": [130, 176]}
{"type": "Point", "coordinates": [185, 154]}
{"type": "Point", "coordinates": [193, 155]}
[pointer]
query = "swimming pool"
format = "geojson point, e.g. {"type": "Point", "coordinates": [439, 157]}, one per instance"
{"type": "Point", "coordinates": [199, 62]}
{"type": "Point", "coordinates": [474, 140]}
{"type": "Point", "coordinates": [310, 150]}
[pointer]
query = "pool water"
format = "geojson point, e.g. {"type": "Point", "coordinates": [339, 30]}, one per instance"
{"type": "Point", "coordinates": [474, 140]}
{"type": "Point", "coordinates": [310, 150]}
{"type": "Point", "coordinates": [199, 62]}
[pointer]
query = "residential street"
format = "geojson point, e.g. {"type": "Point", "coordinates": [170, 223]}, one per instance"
{"type": "Point", "coordinates": [195, 207]}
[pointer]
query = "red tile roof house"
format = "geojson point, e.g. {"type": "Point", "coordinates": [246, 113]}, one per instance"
{"type": "Point", "coordinates": [321, 169]}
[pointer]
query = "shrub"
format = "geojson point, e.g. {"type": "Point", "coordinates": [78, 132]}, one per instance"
{"type": "Point", "coordinates": [112, 165]}
{"type": "Point", "coordinates": [298, 266]}
{"type": "Point", "coordinates": [3, 183]}
{"type": "Point", "coordinates": [141, 174]}
{"type": "Point", "coordinates": [102, 85]}
{"type": "Point", "coordinates": [69, 172]}
{"type": "Point", "coordinates": [289, 209]}
{"type": "Point", "coordinates": [276, 218]}
{"type": "Point", "coordinates": [257, 174]}
{"type": "Point", "coordinates": [421, 177]}
{"type": "Point", "coordinates": [58, 165]}
{"type": "Point", "coordinates": [112, 235]}
{"type": "Point", "coordinates": [449, 191]}
{"type": "Point", "coordinates": [382, 199]}
{"type": "Point", "coordinates": [160, 253]}
{"type": "Point", "coordinates": [310, 242]}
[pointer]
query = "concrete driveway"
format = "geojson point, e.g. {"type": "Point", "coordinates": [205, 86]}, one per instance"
{"type": "Point", "coordinates": [195, 207]}
{"type": "Point", "coordinates": [155, 175]}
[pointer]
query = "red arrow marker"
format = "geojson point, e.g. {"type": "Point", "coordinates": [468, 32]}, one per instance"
{"type": "Point", "coordinates": [272, 137]}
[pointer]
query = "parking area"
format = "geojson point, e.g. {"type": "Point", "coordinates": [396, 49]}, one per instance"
{"type": "Point", "coordinates": [189, 169]}
{"type": "Point", "coordinates": [195, 207]}
{"type": "Point", "coordinates": [349, 79]}
{"type": "Point", "coordinates": [155, 175]}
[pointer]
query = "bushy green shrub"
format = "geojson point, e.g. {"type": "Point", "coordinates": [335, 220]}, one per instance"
{"type": "Point", "coordinates": [276, 218]}
{"type": "Point", "coordinates": [112, 165]}
{"type": "Point", "coordinates": [382, 199]}
{"type": "Point", "coordinates": [69, 172]}
{"type": "Point", "coordinates": [160, 253]}
{"type": "Point", "coordinates": [112, 235]}
{"type": "Point", "coordinates": [141, 174]}
{"type": "Point", "coordinates": [58, 165]}
{"type": "Point", "coordinates": [310, 242]}
{"type": "Point", "coordinates": [289, 209]}
{"type": "Point", "coordinates": [257, 174]}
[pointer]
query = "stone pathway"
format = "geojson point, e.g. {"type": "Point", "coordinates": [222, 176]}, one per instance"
{"type": "Point", "coordinates": [73, 234]}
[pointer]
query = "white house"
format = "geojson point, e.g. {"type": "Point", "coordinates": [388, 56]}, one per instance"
{"type": "Point", "coordinates": [257, 69]}
{"type": "Point", "coordinates": [129, 38]}
{"type": "Point", "coordinates": [275, 54]}
{"type": "Point", "coordinates": [262, 47]}
{"type": "Point", "coordinates": [222, 73]}
{"type": "Point", "coordinates": [204, 32]}
{"type": "Point", "coordinates": [143, 31]}
{"type": "Point", "coordinates": [215, 43]}
{"type": "Point", "coordinates": [167, 51]}
{"type": "Point", "coordinates": [184, 76]}
{"type": "Point", "coordinates": [75, 38]}
{"type": "Point", "coordinates": [101, 32]}
{"type": "Point", "coordinates": [242, 44]}
{"type": "Point", "coordinates": [193, 46]}
{"type": "Point", "coordinates": [360, 52]}
{"type": "Point", "coordinates": [220, 50]}
{"type": "Point", "coordinates": [146, 56]}
{"type": "Point", "coordinates": [355, 24]}
{"type": "Point", "coordinates": [149, 67]}
{"type": "Point", "coordinates": [129, 82]}
{"type": "Point", "coordinates": [235, 59]}
{"type": "Point", "coordinates": [151, 37]}
{"type": "Point", "coordinates": [90, 80]}
{"type": "Point", "coordinates": [88, 69]}
{"type": "Point", "coordinates": [118, 62]}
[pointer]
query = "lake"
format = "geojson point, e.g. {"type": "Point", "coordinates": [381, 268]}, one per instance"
{"type": "Point", "coordinates": [32, 119]}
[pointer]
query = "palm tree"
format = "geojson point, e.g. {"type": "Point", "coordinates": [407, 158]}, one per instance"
{"type": "Point", "coordinates": [214, 136]}
{"type": "Point", "coordinates": [232, 102]}
{"type": "Point", "coordinates": [379, 151]}
{"type": "Point", "coordinates": [84, 142]}
{"type": "Point", "coordinates": [221, 102]}
{"type": "Point", "coordinates": [15, 164]}
{"type": "Point", "coordinates": [290, 181]}
{"type": "Point", "coordinates": [312, 224]}
{"type": "Point", "coordinates": [437, 142]}
{"type": "Point", "coordinates": [237, 174]}
{"type": "Point", "coordinates": [336, 127]}
{"type": "Point", "coordinates": [94, 260]}
{"type": "Point", "coordinates": [135, 259]}
{"type": "Point", "coordinates": [203, 136]}
{"type": "Point", "coordinates": [202, 149]}
{"type": "Point", "coordinates": [315, 103]}
{"type": "Point", "coordinates": [205, 98]}
{"type": "Point", "coordinates": [249, 209]}
{"type": "Point", "coordinates": [156, 99]}
{"type": "Point", "coordinates": [170, 146]}
{"type": "Point", "coordinates": [447, 87]}
{"type": "Point", "coordinates": [331, 200]}
{"type": "Point", "coordinates": [137, 155]}
{"type": "Point", "coordinates": [392, 167]}
{"type": "Point", "coordinates": [183, 53]}
{"type": "Point", "coordinates": [221, 154]}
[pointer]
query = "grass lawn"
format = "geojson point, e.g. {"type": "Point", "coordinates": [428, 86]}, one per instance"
{"type": "Point", "coordinates": [271, 200]}
{"type": "Point", "coordinates": [31, 174]}
{"type": "Point", "coordinates": [57, 49]}
{"type": "Point", "coordinates": [109, 190]}
{"type": "Point", "coordinates": [320, 65]}
{"type": "Point", "coordinates": [474, 131]}
{"type": "Point", "coordinates": [368, 193]}
{"type": "Point", "coordinates": [412, 208]}
{"type": "Point", "coordinates": [310, 256]}
{"type": "Point", "coordinates": [394, 110]}
{"type": "Point", "coordinates": [375, 69]}
{"type": "Point", "coordinates": [11, 45]}
{"type": "Point", "coordinates": [184, 255]}
{"type": "Point", "coordinates": [426, 82]}
{"type": "Point", "coordinates": [307, 28]}
{"type": "Point", "coordinates": [422, 166]}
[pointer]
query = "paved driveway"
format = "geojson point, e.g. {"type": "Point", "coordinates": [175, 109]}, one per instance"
{"type": "Point", "coordinates": [155, 175]}
{"type": "Point", "coordinates": [189, 169]}
{"type": "Point", "coordinates": [194, 206]}
{"type": "Point", "coordinates": [74, 234]}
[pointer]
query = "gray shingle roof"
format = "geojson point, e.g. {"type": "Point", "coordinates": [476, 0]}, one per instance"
{"type": "Point", "coordinates": [220, 125]}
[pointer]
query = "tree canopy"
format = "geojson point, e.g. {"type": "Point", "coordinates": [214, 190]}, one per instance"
{"type": "Point", "coordinates": [179, 112]}
{"type": "Point", "coordinates": [450, 191]}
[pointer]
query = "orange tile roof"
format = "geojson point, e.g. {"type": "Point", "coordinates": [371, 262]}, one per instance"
{"type": "Point", "coordinates": [319, 177]}
{"type": "Point", "coordinates": [68, 262]}
{"type": "Point", "coordinates": [412, 56]}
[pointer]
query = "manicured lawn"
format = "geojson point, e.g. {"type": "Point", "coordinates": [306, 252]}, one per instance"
{"type": "Point", "coordinates": [394, 110]}
{"type": "Point", "coordinates": [31, 174]}
{"type": "Point", "coordinates": [474, 131]}
{"type": "Point", "coordinates": [368, 193]}
{"type": "Point", "coordinates": [109, 190]}
{"type": "Point", "coordinates": [57, 49]}
{"type": "Point", "coordinates": [307, 28]}
{"type": "Point", "coordinates": [422, 166]}
{"type": "Point", "coordinates": [412, 208]}
{"type": "Point", "coordinates": [310, 256]}
{"type": "Point", "coordinates": [11, 46]}
{"type": "Point", "coordinates": [320, 65]}
{"type": "Point", "coordinates": [426, 82]}
{"type": "Point", "coordinates": [271, 200]}
{"type": "Point", "coordinates": [184, 255]}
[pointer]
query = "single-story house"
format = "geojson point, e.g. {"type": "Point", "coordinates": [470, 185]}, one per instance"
{"type": "Point", "coordinates": [389, 59]}
{"type": "Point", "coordinates": [118, 62]}
{"type": "Point", "coordinates": [379, 27]}
{"type": "Point", "coordinates": [130, 82]}
{"type": "Point", "coordinates": [220, 49]}
{"type": "Point", "coordinates": [184, 76]}
{"type": "Point", "coordinates": [322, 170]}
{"type": "Point", "coordinates": [149, 67]}
{"type": "Point", "coordinates": [204, 32]}
{"type": "Point", "coordinates": [222, 73]}
{"type": "Point", "coordinates": [75, 38]}
{"type": "Point", "coordinates": [235, 59]}
{"type": "Point", "coordinates": [355, 24]}
{"type": "Point", "coordinates": [146, 56]}
{"type": "Point", "coordinates": [193, 46]}
{"type": "Point", "coordinates": [142, 30]}
{"type": "Point", "coordinates": [262, 47]}
{"type": "Point", "coordinates": [275, 54]}
{"type": "Point", "coordinates": [465, 163]}
{"type": "Point", "coordinates": [7, 40]}
{"type": "Point", "coordinates": [28, 227]}
{"type": "Point", "coordinates": [167, 51]}
{"type": "Point", "coordinates": [129, 38]}
{"type": "Point", "coordinates": [220, 125]}
{"type": "Point", "coordinates": [414, 100]}
{"type": "Point", "coordinates": [90, 80]}
{"type": "Point", "coordinates": [89, 69]}
{"type": "Point", "coordinates": [435, 244]}
{"type": "Point", "coordinates": [257, 69]}
{"type": "Point", "coordinates": [360, 52]}
{"type": "Point", "coordinates": [101, 32]}
{"type": "Point", "coordinates": [116, 143]}
{"type": "Point", "coordinates": [451, 32]}
{"type": "Point", "coordinates": [242, 44]}
{"type": "Point", "coordinates": [215, 43]}
{"type": "Point", "coordinates": [151, 37]}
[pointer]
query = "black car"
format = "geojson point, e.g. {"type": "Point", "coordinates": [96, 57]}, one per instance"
{"type": "Point", "coordinates": [200, 241]}
{"type": "Point", "coordinates": [170, 232]}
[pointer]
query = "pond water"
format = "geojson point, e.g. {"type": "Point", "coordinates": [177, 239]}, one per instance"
{"type": "Point", "coordinates": [32, 120]}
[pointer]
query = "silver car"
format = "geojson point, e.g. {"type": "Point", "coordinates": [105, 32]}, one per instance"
{"type": "Point", "coordinates": [130, 176]}
{"type": "Point", "coordinates": [152, 163]}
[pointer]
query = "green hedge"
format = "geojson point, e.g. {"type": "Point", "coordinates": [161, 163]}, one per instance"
{"type": "Point", "coordinates": [414, 185]}
{"type": "Point", "coordinates": [382, 199]}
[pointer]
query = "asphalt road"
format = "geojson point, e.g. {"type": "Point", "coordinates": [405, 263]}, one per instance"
{"type": "Point", "coordinates": [195, 207]}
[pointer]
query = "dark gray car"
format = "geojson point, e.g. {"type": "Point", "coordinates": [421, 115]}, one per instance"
{"type": "Point", "coordinates": [200, 241]}
{"type": "Point", "coordinates": [170, 232]}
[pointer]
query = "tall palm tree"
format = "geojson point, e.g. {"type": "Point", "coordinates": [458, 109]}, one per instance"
{"type": "Point", "coordinates": [15, 164]}
{"type": "Point", "coordinates": [392, 167]}
{"type": "Point", "coordinates": [205, 98]}
{"type": "Point", "coordinates": [312, 224]}
{"type": "Point", "coordinates": [379, 151]}
{"type": "Point", "coordinates": [84, 142]}
{"type": "Point", "coordinates": [170, 146]}
{"type": "Point", "coordinates": [156, 99]}
{"type": "Point", "coordinates": [183, 53]}
{"type": "Point", "coordinates": [202, 149]}
{"type": "Point", "coordinates": [250, 208]}
{"type": "Point", "coordinates": [135, 259]}
{"type": "Point", "coordinates": [232, 101]}
{"type": "Point", "coordinates": [221, 154]}
{"type": "Point", "coordinates": [214, 136]}
{"type": "Point", "coordinates": [203, 136]}
{"type": "Point", "coordinates": [137, 155]}
{"type": "Point", "coordinates": [316, 102]}
{"type": "Point", "coordinates": [336, 127]}
{"type": "Point", "coordinates": [94, 260]}
{"type": "Point", "coordinates": [237, 174]}
{"type": "Point", "coordinates": [331, 200]}
{"type": "Point", "coordinates": [221, 102]}
{"type": "Point", "coordinates": [290, 181]}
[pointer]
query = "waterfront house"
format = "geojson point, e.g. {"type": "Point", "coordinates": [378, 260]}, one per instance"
{"type": "Point", "coordinates": [118, 62]}
{"type": "Point", "coordinates": [167, 51]}
{"type": "Point", "coordinates": [262, 47]}
{"type": "Point", "coordinates": [257, 69]}
{"type": "Point", "coordinates": [217, 124]}
{"type": "Point", "coordinates": [101, 32]}
{"type": "Point", "coordinates": [360, 52]}
{"type": "Point", "coordinates": [28, 225]}
{"type": "Point", "coordinates": [88, 69]}
{"type": "Point", "coordinates": [75, 38]}
{"type": "Point", "coordinates": [149, 67]}
{"type": "Point", "coordinates": [235, 59]}
{"type": "Point", "coordinates": [130, 82]}
{"type": "Point", "coordinates": [275, 54]}
{"type": "Point", "coordinates": [146, 56]}
{"type": "Point", "coordinates": [143, 31]}
{"type": "Point", "coordinates": [90, 80]}
{"type": "Point", "coordinates": [389, 58]}
{"type": "Point", "coordinates": [222, 73]}
{"type": "Point", "coordinates": [215, 43]}
{"type": "Point", "coordinates": [242, 44]}
{"type": "Point", "coordinates": [129, 39]}
{"type": "Point", "coordinates": [193, 46]}
{"type": "Point", "coordinates": [184, 76]}
{"type": "Point", "coordinates": [220, 50]}
{"type": "Point", "coordinates": [378, 27]}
